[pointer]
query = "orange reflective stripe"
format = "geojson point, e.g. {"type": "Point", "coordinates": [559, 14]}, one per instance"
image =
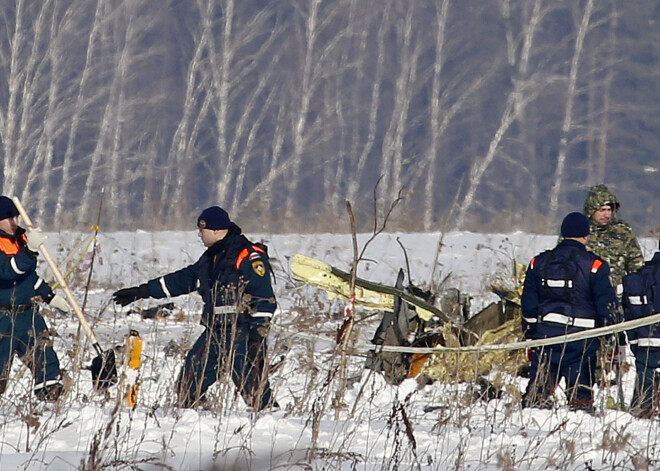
{"type": "Point", "coordinates": [241, 256]}
{"type": "Point", "coordinates": [8, 246]}
{"type": "Point", "coordinates": [596, 265]}
{"type": "Point", "coordinates": [244, 253]}
{"type": "Point", "coordinates": [531, 264]}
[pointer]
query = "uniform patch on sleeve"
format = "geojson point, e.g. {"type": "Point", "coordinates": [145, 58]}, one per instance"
{"type": "Point", "coordinates": [259, 267]}
{"type": "Point", "coordinates": [254, 255]}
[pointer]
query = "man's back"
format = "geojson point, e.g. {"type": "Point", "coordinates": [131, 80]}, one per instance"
{"type": "Point", "coordinates": [561, 294]}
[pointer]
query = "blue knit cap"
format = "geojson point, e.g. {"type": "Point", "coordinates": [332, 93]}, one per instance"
{"type": "Point", "coordinates": [7, 208]}
{"type": "Point", "coordinates": [213, 218]}
{"type": "Point", "coordinates": [575, 225]}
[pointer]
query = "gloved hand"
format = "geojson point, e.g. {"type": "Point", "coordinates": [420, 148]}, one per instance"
{"type": "Point", "coordinates": [126, 296]}
{"type": "Point", "coordinates": [34, 239]}
{"type": "Point", "coordinates": [59, 303]}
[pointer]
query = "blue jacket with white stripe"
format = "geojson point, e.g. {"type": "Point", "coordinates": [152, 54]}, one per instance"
{"type": "Point", "coordinates": [19, 281]}
{"type": "Point", "coordinates": [566, 290]}
{"type": "Point", "coordinates": [641, 298]}
{"type": "Point", "coordinates": [232, 276]}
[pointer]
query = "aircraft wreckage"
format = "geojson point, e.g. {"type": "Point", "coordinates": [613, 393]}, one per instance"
{"type": "Point", "coordinates": [416, 318]}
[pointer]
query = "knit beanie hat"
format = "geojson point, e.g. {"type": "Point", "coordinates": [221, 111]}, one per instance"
{"type": "Point", "coordinates": [7, 208]}
{"type": "Point", "coordinates": [575, 225]}
{"type": "Point", "coordinates": [213, 218]}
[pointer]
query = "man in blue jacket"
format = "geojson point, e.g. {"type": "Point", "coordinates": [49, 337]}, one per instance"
{"type": "Point", "coordinates": [566, 290]}
{"type": "Point", "coordinates": [233, 278]}
{"type": "Point", "coordinates": [23, 330]}
{"type": "Point", "coordinates": [641, 298]}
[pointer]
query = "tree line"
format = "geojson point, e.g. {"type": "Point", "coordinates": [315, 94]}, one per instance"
{"type": "Point", "coordinates": [483, 114]}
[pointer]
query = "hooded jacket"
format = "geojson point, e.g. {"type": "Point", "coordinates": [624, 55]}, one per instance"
{"type": "Point", "coordinates": [615, 241]}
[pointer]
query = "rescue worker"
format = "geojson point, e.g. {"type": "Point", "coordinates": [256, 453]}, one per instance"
{"type": "Point", "coordinates": [566, 290]}
{"type": "Point", "coordinates": [641, 298]}
{"type": "Point", "coordinates": [233, 278]}
{"type": "Point", "coordinates": [23, 330]}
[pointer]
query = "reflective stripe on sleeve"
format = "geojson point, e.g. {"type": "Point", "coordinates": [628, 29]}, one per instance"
{"type": "Point", "coordinates": [530, 320]}
{"type": "Point", "coordinates": [12, 262]}
{"type": "Point", "coordinates": [38, 283]}
{"type": "Point", "coordinates": [262, 314]}
{"type": "Point", "coordinates": [164, 287]}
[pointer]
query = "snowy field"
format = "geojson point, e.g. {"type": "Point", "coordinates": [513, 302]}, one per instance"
{"type": "Point", "coordinates": [379, 426]}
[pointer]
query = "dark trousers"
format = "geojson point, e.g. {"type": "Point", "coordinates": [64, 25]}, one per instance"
{"type": "Point", "coordinates": [575, 362]}
{"type": "Point", "coordinates": [645, 394]}
{"type": "Point", "coordinates": [26, 335]}
{"type": "Point", "coordinates": [236, 346]}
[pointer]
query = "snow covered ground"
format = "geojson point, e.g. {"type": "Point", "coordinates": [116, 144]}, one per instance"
{"type": "Point", "coordinates": [436, 427]}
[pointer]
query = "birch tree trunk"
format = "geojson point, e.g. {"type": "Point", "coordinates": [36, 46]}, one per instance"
{"type": "Point", "coordinates": [374, 100]}
{"type": "Point", "coordinates": [182, 153]}
{"type": "Point", "coordinates": [392, 155]}
{"type": "Point", "coordinates": [10, 117]}
{"type": "Point", "coordinates": [598, 170]}
{"type": "Point", "coordinates": [77, 116]}
{"type": "Point", "coordinates": [567, 124]}
{"type": "Point", "coordinates": [432, 155]}
{"type": "Point", "coordinates": [305, 93]}
{"type": "Point", "coordinates": [516, 102]}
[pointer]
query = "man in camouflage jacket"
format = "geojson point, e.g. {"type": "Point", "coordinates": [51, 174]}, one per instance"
{"type": "Point", "coordinates": [612, 239]}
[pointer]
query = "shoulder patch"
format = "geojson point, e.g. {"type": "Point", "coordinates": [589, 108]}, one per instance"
{"type": "Point", "coordinates": [259, 267]}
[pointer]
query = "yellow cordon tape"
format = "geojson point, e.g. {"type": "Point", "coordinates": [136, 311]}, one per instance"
{"type": "Point", "coordinates": [587, 334]}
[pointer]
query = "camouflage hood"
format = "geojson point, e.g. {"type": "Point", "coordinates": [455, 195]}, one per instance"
{"type": "Point", "coordinates": [598, 196]}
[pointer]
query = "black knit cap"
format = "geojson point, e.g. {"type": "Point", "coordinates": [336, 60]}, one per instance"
{"type": "Point", "coordinates": [7, 208]}
{"type": "Point", "coordinates": [214, 218]}
{"type": "Point", "coordinates": [575, 225]}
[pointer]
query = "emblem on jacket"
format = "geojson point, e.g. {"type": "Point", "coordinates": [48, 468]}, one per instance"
{"type": "Point", "coordinates": [259, 267]}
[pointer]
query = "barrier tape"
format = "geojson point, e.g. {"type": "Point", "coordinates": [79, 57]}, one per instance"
{"type": "Point", "coordinates": [586, 334]}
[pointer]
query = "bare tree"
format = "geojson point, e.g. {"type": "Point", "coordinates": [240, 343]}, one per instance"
{"type": "Point", "coordinates": [523, 92]}
{"type": "Point", "coordinates": [598, 169]}
{"type": "Point", "coordinates": [392, 151]}
{"type": "Point", "coordinates": [373, 105]}
{"type": "Point", "coordinates": [567, 124]}
{"type": "Point", "coordinates": [78, 110]}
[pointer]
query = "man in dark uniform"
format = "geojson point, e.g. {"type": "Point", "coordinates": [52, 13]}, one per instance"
{"type": "Point", "coordinates": [641, 298]}
{"type": "Point", "coordinates": [23, 330]}
{"type": "Point", "coordinates": [566, 290]}
{"type": "Point", "coordinates": [233, 278]}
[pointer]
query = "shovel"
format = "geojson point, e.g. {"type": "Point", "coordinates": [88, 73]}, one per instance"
{"type": "Point", "coordinates": [103, 367]}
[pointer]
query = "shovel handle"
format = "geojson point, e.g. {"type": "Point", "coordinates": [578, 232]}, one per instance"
{"type": "Point", "coordinates": [59, 277]}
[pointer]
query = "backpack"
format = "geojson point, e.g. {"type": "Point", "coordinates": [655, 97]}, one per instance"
{"type": "Point", "coordinates": [558, 275]}
{"type": "Point", "coordinates": [641, 292]}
